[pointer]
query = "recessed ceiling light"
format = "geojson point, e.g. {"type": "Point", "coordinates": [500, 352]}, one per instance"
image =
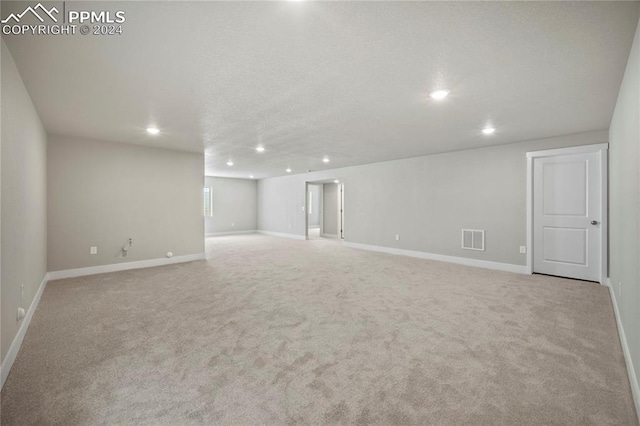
{"type": "Point", "coordinates": [260, 148]}
{"type": "Point", "coordinates": [153, 130]}
{"type": "Point", "coordinates": [439, 94]}
{"type": "Point", "coordinates": [229, 163]}
{"type": "Point", "coordinates": [251, 176]}
{"type": "Point", "coordinates": [336, 181]}
{"type": "Point", "coordinates": [288, 170]}
{"type": "Point", "coordinates": [325, 159]}
{"type": "Point", "coordinates": [488, 130]}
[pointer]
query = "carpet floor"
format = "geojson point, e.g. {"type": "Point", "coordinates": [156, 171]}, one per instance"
{"type": "Point", "coordinates": [278, 331]}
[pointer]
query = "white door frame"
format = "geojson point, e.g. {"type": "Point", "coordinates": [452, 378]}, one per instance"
{"type": "Point", "coordinates": [603, 149]}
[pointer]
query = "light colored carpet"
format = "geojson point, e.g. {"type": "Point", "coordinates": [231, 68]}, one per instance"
{"type": "Point", "coordinates": [277, 331]}
{"type": "Point", "coordinates": [314, 233]}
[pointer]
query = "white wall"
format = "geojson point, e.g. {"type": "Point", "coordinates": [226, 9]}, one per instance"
{"type": "Point", "coordinates": [624, 205]}
{"type": "Point", "coordinates": [24, 200]}
{"type": "Point", "coordinates": [234, 205]}
{"type": "Point", "coordinates": [101, 194]}
{"type": "Point", "coordinates": [426, 200]}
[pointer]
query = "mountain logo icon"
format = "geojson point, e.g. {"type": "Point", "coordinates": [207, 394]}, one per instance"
{"type": "Point", "coordinates": [34, 11]}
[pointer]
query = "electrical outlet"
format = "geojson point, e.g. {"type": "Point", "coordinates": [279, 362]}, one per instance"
{"type": "Point", "coordinates": [523, 249]}
{"type": "Point", "coordinates": [397, 237]}
{"type": "Point", "coordinates": [93, 250]}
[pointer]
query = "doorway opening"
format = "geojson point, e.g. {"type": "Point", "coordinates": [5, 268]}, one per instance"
{"type": "Point", "coordinates": [324, 208]}
{"type": "Point", "coordinates": [314, 211]}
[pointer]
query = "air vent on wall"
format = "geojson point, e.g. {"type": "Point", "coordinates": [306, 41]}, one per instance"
{"type": "Point", "coordinates": [472, 239]}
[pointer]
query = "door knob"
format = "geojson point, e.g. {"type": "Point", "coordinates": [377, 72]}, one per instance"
{"type": "Point", "coordinates": [594, 222]}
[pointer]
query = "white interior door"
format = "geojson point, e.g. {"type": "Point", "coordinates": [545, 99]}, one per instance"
{"type": "Point", "coordinates": [567, 215]}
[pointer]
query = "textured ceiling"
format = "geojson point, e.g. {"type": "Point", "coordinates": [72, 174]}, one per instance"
{"type": "Point", "coordinates": [346, 80]}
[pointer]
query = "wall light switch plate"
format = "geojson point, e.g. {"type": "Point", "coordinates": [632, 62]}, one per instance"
{"type": "Point", "coordinates": [523, 249]}
{"type": "Point", "coordinates": [397, 237]}
{"type": "Point", "coordinates": [94, 250]}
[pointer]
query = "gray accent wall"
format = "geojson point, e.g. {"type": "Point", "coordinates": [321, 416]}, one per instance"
{"type": "Point", "coordinates": [102, 193]}
{"type": "Point", "coordinates": [624, 203]}
{"type": "Point", "coordinates": [426, 200]}
{"type": "Point", "coordinates": [24, 200]}
{"type": "Point", "coordinates": [234, 205]}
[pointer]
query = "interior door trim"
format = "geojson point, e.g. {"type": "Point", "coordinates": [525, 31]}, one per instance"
{"type": "Point", "coordinates": [602, 148]}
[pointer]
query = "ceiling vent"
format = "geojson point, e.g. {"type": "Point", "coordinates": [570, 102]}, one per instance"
{"type": "Point", "coordinates": [473, 239]}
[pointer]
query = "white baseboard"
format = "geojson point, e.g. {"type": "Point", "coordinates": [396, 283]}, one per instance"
{"type": "Point", "coordinates": [507, 267]}
{"type": "Point", "coordinates": [329, 235]}
{"type": "Point", "coordinates": [219, 234]}
{"type": "Point", "coordinates": [102, 269]}
{"type": "Point", "coordinates": [633, 380]}
{"type": "Point", "coordinates": [280, 234]}
{"type": "Point", "coordinates": [11, 355]}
